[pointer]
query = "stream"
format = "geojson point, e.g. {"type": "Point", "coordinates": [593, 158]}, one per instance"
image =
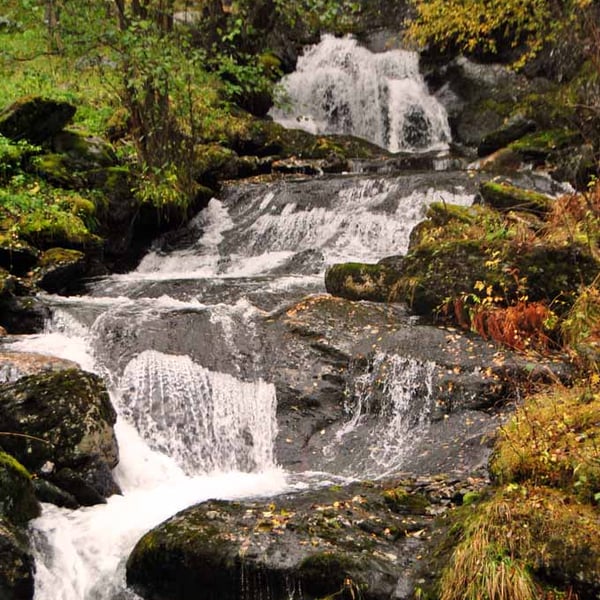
{"type": "Point", "coordinates": [181, 340]}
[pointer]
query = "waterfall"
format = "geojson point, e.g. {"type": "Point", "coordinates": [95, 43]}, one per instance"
{"type": "Point", "coordinates": [389, 407]}
{"type": "Point", "coordinates": [341, 87]}
{"type": "Point", "coordinates": [205, 421]}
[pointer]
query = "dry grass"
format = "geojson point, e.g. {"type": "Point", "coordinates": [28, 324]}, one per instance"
{"type": "Point", "coordinates": [553, 440]}
{"type": "Point", "coordinates": [512, 543]}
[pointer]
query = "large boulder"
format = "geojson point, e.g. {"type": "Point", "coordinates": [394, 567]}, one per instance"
{"type": "Point", "coordinates": [479, 98]}
{"type": "Point", "coordinates": [359, 281]}
{"type": "Point", "coordinates": [362, 541]}
{"type": "Point", "coordinates": [35, 119]}
{"type": "Point", "coordinates": [66, 420]}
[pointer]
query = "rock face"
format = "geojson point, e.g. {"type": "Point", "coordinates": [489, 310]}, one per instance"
{"type": "Point", "coordinates": [362, 541]}
{"type": "Point", "coordinates": [65, 419]}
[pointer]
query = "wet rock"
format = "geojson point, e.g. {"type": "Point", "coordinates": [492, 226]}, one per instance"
{"type": "Point", "coordinates": [335, 410]}
{"type": "Point", "coordinates": [357, 541]}
{"type": "Point", "coordinates": [48, 492]}
{"type": "Point", "coordinates": [22, 314]}
{"type": "Point", "coordinates": [18, 503]}
{"type": "Point", "coordinates": [59, 269]}
{"type": "Point", "coordinates": [14, 365]}
{"type": "Point", "coordinates": [66, 419]}
{"type": "Point", "coordinates": [17, 258]}
{"type": "Point", "coordinates": [479, 98]}
{"type": "Point", "coordinates": [35, 119]}
{"type": "Point", "coordinates": [17, 565]}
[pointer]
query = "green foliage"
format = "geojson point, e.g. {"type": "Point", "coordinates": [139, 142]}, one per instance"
{"type": "Point", "coordinates": [35, 211]}
{"type": "Point", "coordinates": [486, 25]}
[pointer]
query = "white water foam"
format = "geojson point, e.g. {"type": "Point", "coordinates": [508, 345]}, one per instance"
{"type": "Point", "coordinates": [206, 421]}
{"type": "Point", "coordinates": [341, 87]}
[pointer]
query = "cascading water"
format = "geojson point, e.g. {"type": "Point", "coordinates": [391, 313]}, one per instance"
{"type": "Point", "coordinates": [181, 343]}
{"type": "Point", "coordinates": [389, 407]}
{"type": "Point", "coordinates": [341, 87]}
{"type": "Point", "coordinates": [207, 421]}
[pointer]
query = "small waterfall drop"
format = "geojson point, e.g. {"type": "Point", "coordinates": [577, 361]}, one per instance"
{"type": "Point", "coordinates": [341, 87]}
{"type": "Point", "coordinates": [389, 406]}
{"type": "Point", "coordinates": [205, 421]}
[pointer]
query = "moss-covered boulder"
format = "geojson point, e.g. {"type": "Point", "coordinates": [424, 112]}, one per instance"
{"type": "Point", "coordinates": [505, 197]}
{"type": "Point", "coordinates": [18, 503]}
{"type": "Point", "coordinates": [35, 119]}
{"type": "Point", "coordinates": [67, 420]}
{"type": "Point", "coordinates": [84, 152]}
{"type": "Point", "coordinates": [337, 542]}
{"type": "Point", "coordinates": [360, 281]}
{"type": "Point", "coordinates": [53, 228]}
{"type": "Point", "coordinates": [58, 269]}
{"type": "Point", "coordinates": [17, 565]}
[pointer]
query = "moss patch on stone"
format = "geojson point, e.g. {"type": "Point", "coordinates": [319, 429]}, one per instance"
{"type": "Point", "coordinates": [505, 197]}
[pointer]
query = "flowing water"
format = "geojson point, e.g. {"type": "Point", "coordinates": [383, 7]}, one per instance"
{"type": "Point", "coordinates": [180, 345]}
{"type": "Point", "coordinates": [340, 87]}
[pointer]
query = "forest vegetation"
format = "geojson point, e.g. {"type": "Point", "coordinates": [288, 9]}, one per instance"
{"type": "Point", "coordinates": [172, 99]}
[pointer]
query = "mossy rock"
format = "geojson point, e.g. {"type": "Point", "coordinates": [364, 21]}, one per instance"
{"type": "Point", "coordinates": [17, 565]}
{"type": "Point", "coordinates": [49, 229]}
{"type": "Point", "coordinates": [516, 127]}
{"type": "Point", "coordinates": [342, 542]}
{"type": "Point", "coordinates": [18, 503]}
{"type": "Point", "coordinates": [539, 146]}
{"type": "Point", "coordinates": [84, 152]}
{"type": "Point", "coordinates": [59, 268]}
{"type": "Point", "coordinates": [68, 420]}
{"type": "Point", "coordinates": [35, 119]}
{"type": "Point", "coordinates": [14, 157]}
{"type": "Point", "coordinates": [506, 197]}
{"type": "Point", "coordinates": [403, 501]}
{"type": "Point", "coordinates": [432, 273]}
{"type": "Point", "coordinates": [214, 162]}
{"type": "Point", "coordinates": [57, 170]}
{"type": "Point", "coordinates": [360, 281]}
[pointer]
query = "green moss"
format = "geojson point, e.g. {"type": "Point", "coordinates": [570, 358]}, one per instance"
{"type": "Point", "coordinates": [505, 197]}
{"type": "Point", "coordinates": [58, 256]}
{"type": "Point", "coordinates": [401, 501]}
{"type": "Point", "coordinates": [17, 498]}
{"type": "Point", "coordinates": [47, 229]}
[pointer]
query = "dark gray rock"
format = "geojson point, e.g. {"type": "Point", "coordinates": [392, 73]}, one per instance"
{"type": "Point", "coordinates": [35, 119]}
{"type": "Point", "coordinates": [60, 269]}
{"type": "Point", "coordinates": [18, 503]}
{"type": "Point", "coordinates": [357, 541]}
{"type": "Point", "coordinates": [66, 420]}
{"type": "Point", "coordinates": [515, 128]}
